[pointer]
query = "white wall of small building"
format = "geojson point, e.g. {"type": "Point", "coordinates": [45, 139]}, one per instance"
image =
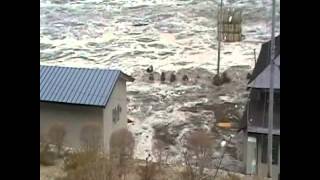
{"type": "Point", "coordinates": [118, 97]}
{"type": "Point", "coordinates": [73, 117]}
{"type": "Point", "coordinates": [262, 168]}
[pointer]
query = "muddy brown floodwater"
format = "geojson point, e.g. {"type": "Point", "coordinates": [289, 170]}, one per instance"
{"type": "Point", "coordinates": [170, 110]}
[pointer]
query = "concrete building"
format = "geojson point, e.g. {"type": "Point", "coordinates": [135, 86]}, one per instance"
{"type": "Point", "coordinates": [255, 119]}
{"type": "Point", "coordinates": [76, 96]}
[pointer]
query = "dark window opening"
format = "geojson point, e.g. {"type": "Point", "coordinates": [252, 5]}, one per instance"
{"type": "Point", "coordinates": [116, 114]}
{"type": "Point", "coordinates": [275, 149]}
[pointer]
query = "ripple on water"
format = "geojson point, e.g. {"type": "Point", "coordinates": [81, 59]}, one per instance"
{"type": "Point", "coordinates": [145, 40]}
{"type": "Point", "coordinates": [166, 53]}
{"type": "Point", "coordinates": [44, 46]}
{"type": "Point", "coordinates": [138, 7]}
{"type": "Point", "coordinates": [158, 46]}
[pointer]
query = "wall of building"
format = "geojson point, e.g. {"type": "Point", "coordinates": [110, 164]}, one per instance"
{"type": "Point", "coordinates": [72, 116]}
{"type": "Point", "coordinates": [251, 155]}
{"type": "Point", "coordinates": [257, 110]}
{"type": "Point", "coordinates": [118, 97]}
{"type": "Point", "coordinates": [262, 168]}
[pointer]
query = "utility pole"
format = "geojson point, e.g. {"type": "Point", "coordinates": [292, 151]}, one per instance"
{"type": "Point", "coordinates": [219, 37]}
{"type": "Point", "coordinates": [271, 92]}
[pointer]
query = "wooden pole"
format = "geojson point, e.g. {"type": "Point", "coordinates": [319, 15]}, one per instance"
{"type": "Point", "coordinates": [219, 37]}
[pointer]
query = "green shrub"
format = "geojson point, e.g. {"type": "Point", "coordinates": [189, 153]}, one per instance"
{"type": "Point", "coordinates": [148, 171]}
{"type": "Point", "coordinates": [78, 159]}
{"type": "Point", "coordinates": [231, 177]}
{"type": "Point", "coordinates": [89, 166]}
{"type": "Point", "coordinates": [56, 135]}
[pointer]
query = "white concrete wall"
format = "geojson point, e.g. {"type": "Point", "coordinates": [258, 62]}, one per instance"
{"type": "Point", "coordinates": [118, 97]}
{"type": "Point", "coordinates": [72, 116]}
{"type": "Point", "coordinates": [262, 168]}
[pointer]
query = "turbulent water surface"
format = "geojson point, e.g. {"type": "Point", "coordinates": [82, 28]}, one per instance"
{"type": "Point", "coordinates": [172, 35]}
{"type": "Point", "coordinates": [131, 34]}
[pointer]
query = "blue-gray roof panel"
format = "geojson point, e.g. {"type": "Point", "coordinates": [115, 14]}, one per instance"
{"type": "Point", "coordinates": [98, 88]}
{"type": "Point", "coordinates": [77, 85]}
{"type": "Point", "coordinates": [72, 86]}
{"type": "Point", "coordinates": [49, 80]}
{"type": "Point", "coordinates": [69, 88]}
{"type": "Point", "coordinates": [97, 78]}
{"type": "Point", "coordinates": [81, 85]}
{"type": "Point", "coordinates": [94, 87]}
{"type": "Point", "coordinates": [109, 86]}
{"type": "Point", "coordinates": [84, 91]}
{"type": "Point", "coordinates": [53, 92]}
{"type": "Point", "coordinates": [103, 85]}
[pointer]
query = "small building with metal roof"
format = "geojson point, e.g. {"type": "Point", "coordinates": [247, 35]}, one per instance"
{"type": "Point", "coordinates": [255, 117]}
{"type": "Point", "coordinates": [78, 96]}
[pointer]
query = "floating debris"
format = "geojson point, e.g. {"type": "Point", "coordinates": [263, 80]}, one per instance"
{"type": "Point", "coordinates": [130, 121]}
{"type": "Point", "coordinates": [224, 125]}
{"type": "Point", "coordinates": [162, 77]}
{"type": "Point", "coordinates": [151, 78]}
{"type": "Point", "coordinates": [248, 75]}
{"type": "Point", "coordinates": [150, 69]}
{"type": "Point", "coordinates": [140, 24]}
{"type": "Point", "coordinates": [172, 77]}
{"type": "Point", "coordinates": [219, 80]}
{"type": "Point", "coordinates": [225, 78]}
{"type": "Point", "coordinates": [185, 78]}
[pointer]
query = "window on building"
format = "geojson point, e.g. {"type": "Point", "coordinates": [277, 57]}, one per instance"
{"type": "Point", "coordinates": [116, 114]}
{"type": "Point", "coordinates": [275, 149]}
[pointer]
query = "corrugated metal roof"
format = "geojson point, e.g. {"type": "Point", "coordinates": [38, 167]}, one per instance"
{"type": "Point", "coordinates": [264, 58]}
{"type": "Point", "coordinates": [263, 79]}
{"type": "Point", "coordinates": [78, 85]}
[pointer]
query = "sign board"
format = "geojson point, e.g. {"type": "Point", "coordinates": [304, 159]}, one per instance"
{"type": "Point", "coordinates": [229, 23]}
